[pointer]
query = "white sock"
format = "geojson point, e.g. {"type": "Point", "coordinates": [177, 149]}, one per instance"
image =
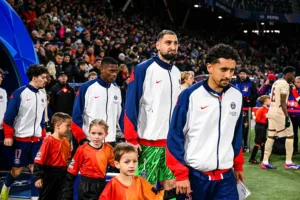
{"type": "Point", "coordinates": [265, 162]}
{"type": "Point", "coordinates": [34, 198]}
{"type": "Point", "coordinates": [288, 162]}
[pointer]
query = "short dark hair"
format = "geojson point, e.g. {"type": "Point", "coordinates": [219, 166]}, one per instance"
{"type": "Point", "coordinates": [60, 117]}
{"type": "Point", "coordinates": [122, 148]}
{"type": "Point", "coordinates": [243, 70]}
{"type": "Point", "coordinates": [108, 61]}
{"type": "Point", "coordinates": [36, 70]}
{"type": "Point", "coordinates": [288, 69]}
{"type": "Point", "coordinates": [1, 71]}
{"type": "Point", "coordinates": [61, 54]}
{"type": "Point", "coordinates": [165, 32]}
{"type": "Point", "coordinates": [221, 51]}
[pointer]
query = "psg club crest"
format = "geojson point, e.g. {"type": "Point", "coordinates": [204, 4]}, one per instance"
{"type": "Point", "coordinates": [115, 97]}
{"type": "Point", "coordinates": [232, 105]}
{"type": "Point", "coordinates": [1, 97]}
{"type": "Point", "coordinates": [42, 100]}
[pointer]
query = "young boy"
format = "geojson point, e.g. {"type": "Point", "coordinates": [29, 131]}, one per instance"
{"type": "Point", "coordinates": [51, 160]}
{"type": "Point", "coordinates": [261, 127]}
{"type": "Point", "coordinates": [127, 186]}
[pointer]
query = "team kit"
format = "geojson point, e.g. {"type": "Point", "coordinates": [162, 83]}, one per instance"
{"type": "Point", "coordinates": [180, 144]}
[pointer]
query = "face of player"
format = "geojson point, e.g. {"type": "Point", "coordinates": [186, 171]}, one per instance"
{"type": "Point", "coordinates": [291, 77]}
{"type": "Point", "coordinates": [220, 73]}
{"type": "Point", "coordinates": [97, 135]}
{"type": "Point", "coordinates": [40, 81]}
{"type": "Point", "coordinates": [128, 163]}
{"type": "Point", "coordinates": [243, 76]}
{"type": "Point", "coordinates": [297, 83]}
{"type": "Point", "coordinates": [167, 47]}
{"type": "Point", "coordinates": [64, 128]}
{"type": "Point", "coordinates": [109, 73]}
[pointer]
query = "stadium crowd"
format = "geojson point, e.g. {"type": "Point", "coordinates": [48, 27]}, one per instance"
{"type": "Point", "coordinates": [76, 41]}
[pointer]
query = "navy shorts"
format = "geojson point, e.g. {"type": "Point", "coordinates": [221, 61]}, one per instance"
{"type": "Point", "coordinates": [25, 152]}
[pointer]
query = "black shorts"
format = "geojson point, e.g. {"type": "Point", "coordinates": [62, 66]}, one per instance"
{"type": "Point", "coordinates": [90, 188]}
{"type": "Point", "coordinates": [52, 183]}
{"type": "Point", "coordinates": [260, 133]}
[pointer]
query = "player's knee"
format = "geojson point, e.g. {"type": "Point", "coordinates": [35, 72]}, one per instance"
{"type": "Point", "coordinates": [16, 171]}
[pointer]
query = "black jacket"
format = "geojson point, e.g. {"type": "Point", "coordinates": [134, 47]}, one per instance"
{"type": "Point", "coordinates": [62, 98]}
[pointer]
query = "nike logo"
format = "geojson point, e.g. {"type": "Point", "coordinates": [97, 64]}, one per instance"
{"type": "Point", "coordinates": [27, 99]}
{"type": "Point", "coordinates": [158, 81]}
{"type": "Point", "coordinates": [203, 107]}
{"type": "Point", "coordinates": [96, 97]}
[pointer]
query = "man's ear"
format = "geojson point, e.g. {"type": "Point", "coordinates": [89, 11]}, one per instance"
{"type": "Point", "coordinates": [209, 68]}
{"type": "Point", "coordinates": [157, 45]}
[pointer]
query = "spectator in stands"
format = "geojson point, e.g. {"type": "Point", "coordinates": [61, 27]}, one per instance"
{"type": "Point", "coordinates": [265, 89]}
{"type": "Point", "coordinates": [81, 74]}
{"type": "Point", "coordinates": [249, 92]}
{"type": "Point", "coordinates": [187, 79]}
{"type": "Point", "coordinates": [294, 104]}
{"type": "Point", "coordinates": [62, 95]}
{"type": "Point", "coordinates": [92, 75]}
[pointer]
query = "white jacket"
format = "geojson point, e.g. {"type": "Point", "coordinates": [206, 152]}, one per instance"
{"type": "Point", "coordinates": [151, 97]}
{"type": "Point", "coordinates": [96, 100]}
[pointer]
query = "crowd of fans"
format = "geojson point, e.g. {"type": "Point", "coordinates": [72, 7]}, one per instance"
{"type": "Point", "coordinates": [73, 37]}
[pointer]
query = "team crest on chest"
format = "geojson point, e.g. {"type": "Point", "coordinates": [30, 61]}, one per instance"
{"type": "Point", "coordinates": [233, 105]}
{"type": "Point", "coordinates": [1, 97]}
{"type": "Point", "coordinates": [116, 97]}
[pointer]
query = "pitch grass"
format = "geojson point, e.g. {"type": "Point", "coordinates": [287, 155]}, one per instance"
{"type": "Point", "coordinates": [278, 184]}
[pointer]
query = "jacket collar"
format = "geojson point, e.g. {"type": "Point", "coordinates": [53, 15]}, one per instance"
{"type": "Point", "coordinates": [33, 89]}
{"type": "Point", "coordinates": [102, 82]}
{"type": "Point", "coordinates": [162, 63]}
{"type": "Point", "coordinates": [208, 89]}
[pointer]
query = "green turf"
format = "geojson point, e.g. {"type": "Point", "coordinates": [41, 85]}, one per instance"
{"type": "Point", "coordinates": [281, 184]}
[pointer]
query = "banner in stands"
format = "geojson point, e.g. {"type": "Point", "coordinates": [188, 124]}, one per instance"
{"type": "Point", "coordinates": [260, 16]}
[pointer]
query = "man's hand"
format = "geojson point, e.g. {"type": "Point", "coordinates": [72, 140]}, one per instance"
{"type": "Point", "coordinates": [138, 147]}
{"type": "Point", "coordinates": [239, 176]}
{"type": "Point", "coordinates": [287, 122]}
{"type": "Point", "coordinates": [39, 183]}
{"type": "Point", "coordinates": [267, 82]}
{"type": "Point", "coordinates": [8, 141]}
{"type": "Point", "coordinates": [183, 187]}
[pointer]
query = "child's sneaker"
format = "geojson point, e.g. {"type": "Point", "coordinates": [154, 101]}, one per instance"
{"type": "Point", "coordinates": [292, 166]}
{"type": "Point", "coordinates": [268, 166]}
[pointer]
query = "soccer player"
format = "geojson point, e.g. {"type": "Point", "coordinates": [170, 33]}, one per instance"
{"type": "Point", "coordinates": [205, 136]}
{"type": "Point", "coordinates": [279, 121]}
{"type": "Point", "coordinates": [51, 160]}
{"type": "Point", "coordinates": [24, 124]}
{"type": "Point", "coordinates": [261, 126]}
{"type": "Point", "coordinates": [91, 159]}
{"type": "Point", "coordinates": [126, 186]}
{"type": "Point", "coordinates": [151, 96]}
{"type": "Point", "coordinates": [98, 99]}
{"type": "Point", "coordinates": [3, 104]}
